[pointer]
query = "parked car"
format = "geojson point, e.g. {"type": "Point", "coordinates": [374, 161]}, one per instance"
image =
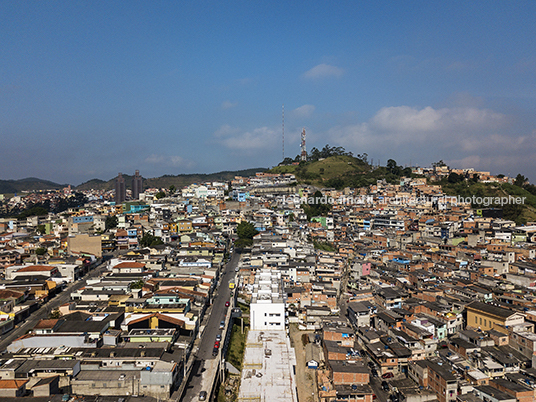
{"type": "Point", "coordinates": [215, 352]}
{"type": "Point", "coordinates": [222, 325]}
{"type": "Point", "coordinates": [203, 396]}
{"type": "Point", "coordinates": [374, 372]}
{"type": "Point", "coordinates": [385, 385]}
{"type": "Point", "coordinates": [388, 375]}
{"type": "Point", "coordinates": [227, 304]}
{"type": "Point", "coordinates": [218, 337]}
{"type": "Point", "coordinates": [217, 344]}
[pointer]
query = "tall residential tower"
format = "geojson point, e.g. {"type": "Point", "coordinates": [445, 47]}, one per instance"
{"type": "Point", "coordinates": [137, 185]}
{"type": "Point", "coordinates": [120, 189]}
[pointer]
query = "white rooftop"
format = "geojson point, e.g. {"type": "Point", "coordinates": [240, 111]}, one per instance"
{"type": "Point", "coordinates": [267, 373]}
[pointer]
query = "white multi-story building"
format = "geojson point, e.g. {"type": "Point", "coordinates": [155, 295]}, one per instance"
{"type": "Point", "coordinates": [267, 308]}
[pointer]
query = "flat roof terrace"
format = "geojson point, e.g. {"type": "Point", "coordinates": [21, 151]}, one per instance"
{"type": "Point", "coordinates": [268, 369]}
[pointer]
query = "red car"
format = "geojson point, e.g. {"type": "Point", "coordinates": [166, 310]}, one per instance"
{"type": "Point", "coordinates": [388, 375]}
{"type": "Point", "coordinates": [227, 304]}
{"type": "Point", "coordinates": [216, 344]}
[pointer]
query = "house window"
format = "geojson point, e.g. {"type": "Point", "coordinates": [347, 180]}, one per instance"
{"type": "Point", "coordinates": [480, 320]}
{"type": "Point", "coordinates": [476, 320]}
{"type": "Point", "coordinates": [485, 323]}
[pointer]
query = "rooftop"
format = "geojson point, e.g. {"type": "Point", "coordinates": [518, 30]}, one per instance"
{"type": "Point", "coordinates": [267, 373]}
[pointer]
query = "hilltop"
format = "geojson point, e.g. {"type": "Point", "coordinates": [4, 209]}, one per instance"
{"type": "Point", "coordinates": [27, 184]}
{"type": "Point", "coordinates": [348, 171]}
{"type": "Point", "coordinates": [521, 214]}
{"type": "Point", "coordinates": [339, 171]}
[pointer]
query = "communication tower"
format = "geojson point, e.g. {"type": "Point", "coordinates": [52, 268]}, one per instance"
{"type": "Point", "coordinates": [303, 149]}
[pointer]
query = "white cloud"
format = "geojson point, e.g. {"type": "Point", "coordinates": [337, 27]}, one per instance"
{"type": "Point", "coordinates": [168, 160]}
{"type": "Point", "coordinates": [304, 111]}
{"type": "Point", "coordinates": [256, 139]}
{"type": "Point", "coordinates": [323, 70]}
{"type": "Point", "coordinates": [228, 105]}
{"type": "Point", "coordinates": [465, 136]}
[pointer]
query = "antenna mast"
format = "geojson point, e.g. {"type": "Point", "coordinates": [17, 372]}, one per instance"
{"type": "Point", "coordinates": [283, 130]}
{"type": "Point", "coordinates": [303, 150]}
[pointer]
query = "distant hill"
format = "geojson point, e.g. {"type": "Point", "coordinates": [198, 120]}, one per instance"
{"type": "Point", "coordinates": [27, 184]}
{"type": "Point", "coordinates": [166, 181]}
{"type": "Point", "coordinates": [181, 180]}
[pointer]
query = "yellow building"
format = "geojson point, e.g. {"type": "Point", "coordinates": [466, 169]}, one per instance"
{"type": "Point", "coordinates": [486, 316]}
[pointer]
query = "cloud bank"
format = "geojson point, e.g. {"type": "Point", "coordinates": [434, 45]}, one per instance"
{"type": "Point", "coordinates": [462, 136]}
{"type": "Point", "coordinates": [323, 71]}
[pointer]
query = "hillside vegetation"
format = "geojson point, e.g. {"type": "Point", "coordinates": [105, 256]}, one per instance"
{"type": "Point", "coordinates": [521, 213]}
{"type": "Point", "coordinates": [28, 184]}
{"type": "Point", "coordinates": [341, 171]}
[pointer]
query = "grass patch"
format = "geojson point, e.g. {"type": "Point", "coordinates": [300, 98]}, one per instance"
{"type": "Point", "coordinates": [237, 346]}
{"type": "Point", "coordinates": [324, 246]}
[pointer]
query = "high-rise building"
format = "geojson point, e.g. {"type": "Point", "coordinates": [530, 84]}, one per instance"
{"type": "Point", "coordinates": [137, 185]}
{"type": "Point", "coordinates": [120, 189]}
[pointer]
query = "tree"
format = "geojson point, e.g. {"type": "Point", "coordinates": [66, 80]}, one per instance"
{"type": "Point", "coordinates": [363, 157]}
{"type": "Point", "coordinates": [40, 251]}
{"type": "Point", "coordinates": [246, 230]}
{"type": "Point", "coordinates": [41, 229]}
{"type": "Point", "coordinates": [137, 284]}
{"type": "Point", "coordinates": [111, 222]}
{"type": "Point", "coordinates": [315, 154]}
{"type": "Point", "coordinates": [286, 161]}
{"type": "Point", "coordinates": [172, 189]}
{"type": "Point", "coordinates": [520, 180]}
{"type": "Point", "coordinates": [318, 206]}
{"type": "Point", "coordinates": [406, 172]}
{"type": "Point", "coordinates": [54, 315]}
{"type": "Point", "coordinates": [148, 240]}
{"type": "Point", "coordinates": [439, 164]}
{"type": "Point", "coordinates": [393, 167]}
{"type": "Point", "coordinates": [160, 195]}
{"type": "Point", "coordinates": [455, 178]}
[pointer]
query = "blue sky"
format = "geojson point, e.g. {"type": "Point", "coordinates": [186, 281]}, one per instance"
{"type": "Point", "coordinates": [90, 89]}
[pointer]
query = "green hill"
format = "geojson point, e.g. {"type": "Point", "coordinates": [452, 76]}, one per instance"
{"type": "Point", "coordinates": [521, 214]}
{"type": "Point", "coordinates": [341, 171]}
{"type": "Point", "coordinates": [27, 184]}
{"type": "Point", "coordinates": [321, 172]}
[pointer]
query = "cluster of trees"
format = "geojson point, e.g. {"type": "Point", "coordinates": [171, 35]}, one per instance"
{"type": "Point", "coordinates": [398, 171]}
{"type": "Point", "coordinates": [148, 240]}
{"type": "Point", "coordinates": [57, 205]}
{"type": "Point", "coordinates": [320, 206]}
{"type": "Point", "coordinates": [245, 231]}
{"type": "Point", "coordinates": [325, 152]}
{"type": "Point", "coordinates": [390, 173]}
{"type": "Point", "coordinates": [137, 284]}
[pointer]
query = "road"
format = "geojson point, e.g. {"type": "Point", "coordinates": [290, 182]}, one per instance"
{"type": "Point", "coordinates": [216, 315]}
{"type": "Point", "coordinates": [44, 311]}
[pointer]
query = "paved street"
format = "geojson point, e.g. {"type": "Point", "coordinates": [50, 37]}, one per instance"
{"type": "Point", "coordinates": [216, 314]}
{"type": "Point", "coordinates": [47, 308]}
